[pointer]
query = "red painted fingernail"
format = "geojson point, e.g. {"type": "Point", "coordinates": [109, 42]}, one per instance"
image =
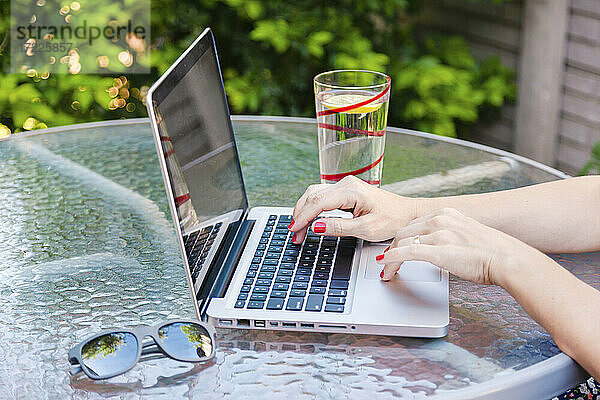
{"type": "Point", "coordinates": [291, 224]}
{"type": "Point", "coordinates": [294, 237]}
{"type": "Point", "coordinates": [380, 257]}
{"type": "Point", "coordinates": [319, 227]}
{"type": "Point", "coordinates": [381, 274]}
{"type": "Point", "coordinates": [387, 248]}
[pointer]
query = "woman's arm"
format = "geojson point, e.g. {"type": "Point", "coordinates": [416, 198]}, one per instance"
{"type": "Point", "coordinates": [559, 216]}
{"type": "Point", "coordinates": [565, 306]}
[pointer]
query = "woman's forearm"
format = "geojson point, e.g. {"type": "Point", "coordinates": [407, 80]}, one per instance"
{"type": "Point", "coordinates": [559, 216]}
{"type": "Point", "coordinates": [561, 303]}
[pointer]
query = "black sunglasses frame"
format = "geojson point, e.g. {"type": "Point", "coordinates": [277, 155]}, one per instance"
{"type": "Point", "coordinates": [140, 333]}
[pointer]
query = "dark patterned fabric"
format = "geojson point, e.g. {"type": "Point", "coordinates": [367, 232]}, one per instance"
{"type": "Point", "coordinates": [585, 391]}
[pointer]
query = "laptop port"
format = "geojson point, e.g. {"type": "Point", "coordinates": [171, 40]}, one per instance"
{"type": "Point", "coordinates": [288, 324]}
{"type": "Point", "coordinates": [333, 326]}
{"type": "Point", "coordinates": [273, 323]}
{"type": "Point", "coordinates": [307, 326]}
{"type": "Point", "coordinates": [243, 322]}
{"type": "Point", "coordinates": [259, 324]}
{"type": "Point", "coordinates": [225, 322]}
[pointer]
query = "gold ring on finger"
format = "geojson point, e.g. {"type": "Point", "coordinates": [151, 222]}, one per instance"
{"type": "Point", "coordinates": [417, 240]}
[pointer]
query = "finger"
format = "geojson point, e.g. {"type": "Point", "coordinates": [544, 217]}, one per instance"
{"type": "Point", "coordinates": [309, 190]}
{"type": "Point", "coordinates": [412, 230]}
{"type": "Point", "coordinates": [394, 258]}
{"type": "Point", "coordinates": [319, 201]}
{"type": "Point", "coordinates": [341, 226]}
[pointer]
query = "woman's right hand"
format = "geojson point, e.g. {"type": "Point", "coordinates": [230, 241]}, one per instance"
{"type": "Point", "coordinates": [378, 214]}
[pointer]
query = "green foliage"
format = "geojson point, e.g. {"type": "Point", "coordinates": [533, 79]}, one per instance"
{"type": "Point", "coordinates": [270, 51]}
{"type": "Point", "coordinates": [594, 163]}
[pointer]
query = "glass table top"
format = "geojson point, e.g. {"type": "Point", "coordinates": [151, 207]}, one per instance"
{"type": "Point", "coordinates": [87, 243]}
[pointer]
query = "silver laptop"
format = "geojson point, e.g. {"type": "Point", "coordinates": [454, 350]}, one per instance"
{"type": "Point", "coordinates": [242, 269]}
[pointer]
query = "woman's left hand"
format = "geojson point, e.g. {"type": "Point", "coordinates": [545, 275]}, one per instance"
{"type": "Point", "coordinates": [459, 244]}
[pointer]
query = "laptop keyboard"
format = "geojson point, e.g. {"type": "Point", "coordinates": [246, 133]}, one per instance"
{"type": "Point", "coordinates": [198, 245]}
{"type": "Point", "coordinates": [312, 276]}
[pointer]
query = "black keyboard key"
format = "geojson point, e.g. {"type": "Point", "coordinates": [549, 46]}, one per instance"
{"type": "Point", "coordinates": [264, 240]}
{"type": "Point", "coordinates": [300, 285]}
{"type": "Point", "coordinates": [283, 279]}
{"type": "Point", "coordinates": [256, 260]}
{"type": "Point", "coordinates": [275, 303]}
{"type": "Point", "coordinates": [271, 222]}
{"type": "Point", "coordinates": [287, 266]}
{"type": "Point", "coordinates": [285, 218]}
{"type": "Point", "coordinates": [275, 249]}
{"type": "Point", "coordinates": [306, 264]}
{"type": "Point", "coordinates": [338, 292]}
{"type": "Point", "coordinates": [336, 300]}
{"type": "Point", "coordinates": [273, 255]}
{"type": "Point", "coordinates": [319, 282]}
{"type": "Point", "coordinates": [256, 304]}
{"type": "Point", "coordinates": [297, 293]}
{"type": "Point", "coordinates": [322, 268]}
{"type": "Point", "coordinates": [317, 290]}
{"type": "Point", "coordinates": [348, 242]}
{"type": "Point", "coordinates": [272, 216]}
{"type": "Point", "coordinates": [308, 258]}
{"type": "Point", "coordinates": [268, 228]}
{"type": "Point", "coordinates": [240, 304]}
{"type": "Point", "coordinates": [268, 268]}
{"type": "Point", "coordinates": [263, 282]}
{"type": "Point", "coordinates": [245, 288]}
{"type": "Point", "coordinates": [324, 262]}
{"type": "Point", "coordinates": [292, 246]}
{"type": "Point", "coordinates": [243, 296]}
{"type": "Point", "coordinates": [254, 267]}
{"type": "Point", "coordinates": [291, 253]}
{"type": "Point", "coordinates": [309, 251]}
{"type": "Point", "coordinates": [285, 272]}
{"type": "Point", "coordinates": [258, 297]}
{"type": "Point", "coordinates": [279, 243]}
{"type": "Point", "coordinates": [288, 259]}
{"type": "Point", "coordinates": [269, 261]}
{"type": "Point", "coordinates": [321, 275]}
{"type": "Point", "coordinates": [248, 281]}
{"type": "Point", "coordinates": [279, 237]}
{"type": "Point", "coordinates": [303, 271]}
{"type": "Point", "coordinates": [266, 275]}
{"type": "Point", "coordinates": [295, 303]}
{"type": "Point", "coordinates": [301, 278]}
{"type": "Point", "coordinates": [260, 289]}
{"type": "Point", "coordinates": [261, 246]}
{"type": "Point", "coordinates": [266, 235]}
{"type": "Point", "coordinates": [334, 308]}
{"type": "Point", "coordinates": [279, 293]}
{"type": "Point", "coordinates": [251, 274]}
{"type": "Point", "coordinates": [343, 263]}
{"type": "Point", "coordinates": [281, 231]}
{"type": "Point", "coordinates": [314, 302]}
{"type": "Point", "coordinates": [338, 284]}
{"type": "Point", "coordinates": [281, 286]}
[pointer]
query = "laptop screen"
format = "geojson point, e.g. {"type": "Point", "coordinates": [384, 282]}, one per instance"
{"type": "Point", "coordinates": [197, 139]}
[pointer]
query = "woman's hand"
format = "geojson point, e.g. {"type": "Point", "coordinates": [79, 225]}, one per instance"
{"type": "Point", "coordinates": [377, 214]}
{"type": "Point", "coordinates": [458, 244]}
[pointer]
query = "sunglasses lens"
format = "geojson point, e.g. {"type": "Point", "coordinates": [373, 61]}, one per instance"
{"type": "Point", "coordinates": [110, 354]}
{"type": "Point", "coordinates": [185, 340]}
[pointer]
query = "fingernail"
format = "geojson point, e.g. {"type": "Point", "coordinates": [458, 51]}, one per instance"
{"type": "Point", "coordinates": [290, 225]}
{"type": "Point", "coordinates": [387, 248]}
{"type": "Point", "coordinates": [380, 257]}
{"type": "Point", "coordinates": [381, 274]}
{"type": "Point", "coordinates": [294, 237]}
{"type": "Point", "coordinates": [319, 227]}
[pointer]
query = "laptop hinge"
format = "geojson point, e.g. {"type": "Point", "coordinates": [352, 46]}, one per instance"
{"type": "Point", "coordinates": [223, 275]}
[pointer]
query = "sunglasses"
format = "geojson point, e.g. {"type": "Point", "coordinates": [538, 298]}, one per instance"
{"type": "Point", "coordinates": [114, 352]}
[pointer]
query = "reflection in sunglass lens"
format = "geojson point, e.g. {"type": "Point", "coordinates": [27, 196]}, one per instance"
{"type": "Point", "coordinates": [185, 340]}
{"type": "Point", "coordinates": [110, 354]}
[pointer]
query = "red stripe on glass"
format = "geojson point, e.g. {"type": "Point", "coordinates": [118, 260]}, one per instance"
{"type": "Point", "coordinates": [350, 130]}
{"type": "Point", "coordinates": [357, 105]}
{"type": "Point", "coordinates": [337, 177]}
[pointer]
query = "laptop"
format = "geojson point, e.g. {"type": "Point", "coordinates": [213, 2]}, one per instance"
{"type": "Point", "coordinates": [242, 269]}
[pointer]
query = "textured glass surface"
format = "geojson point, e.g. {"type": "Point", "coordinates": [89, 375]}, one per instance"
{"type": "Point", "coordinates": [86, 243]}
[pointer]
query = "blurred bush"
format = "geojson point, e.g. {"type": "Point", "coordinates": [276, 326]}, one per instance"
{"type": "Point", "coordinates": [269, 53]}
{"type": "Point", "coordinates": [594, 163]}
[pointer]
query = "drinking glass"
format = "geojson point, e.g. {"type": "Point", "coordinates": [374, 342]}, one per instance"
{"type": "Point", "coordinates": [352, 109]}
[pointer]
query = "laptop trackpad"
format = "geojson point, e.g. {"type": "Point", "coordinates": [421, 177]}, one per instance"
{"type": "Point", "coordinates": [420, 271]}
